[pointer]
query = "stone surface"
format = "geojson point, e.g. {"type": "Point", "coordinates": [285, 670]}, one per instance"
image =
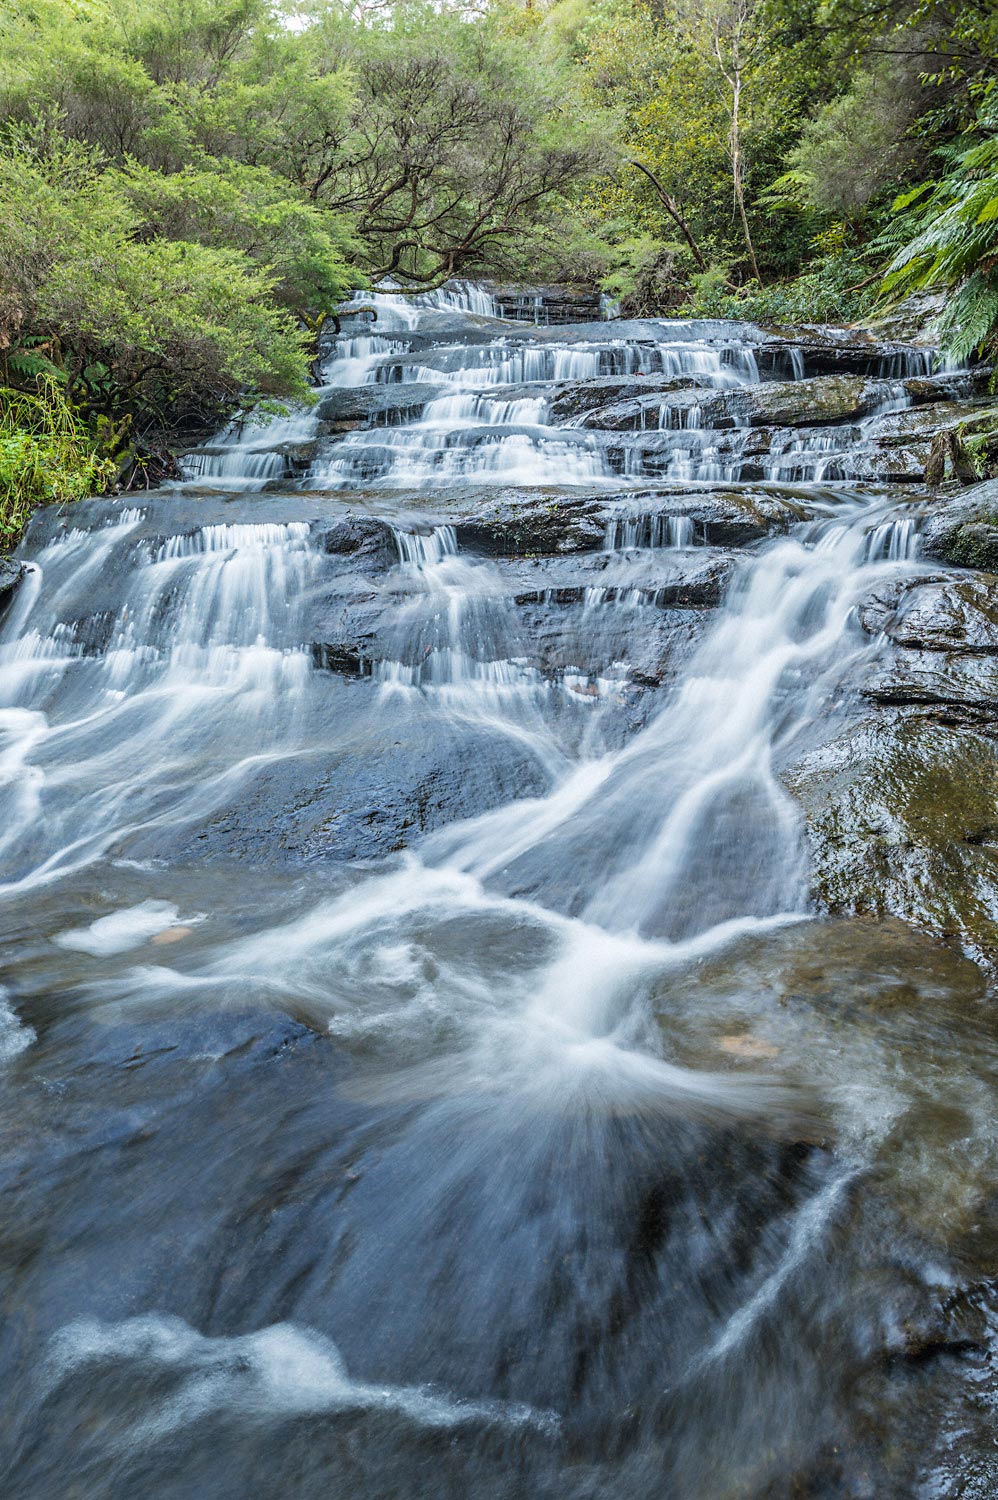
{"type": "Point", "coordinates": [963, 529]}
{"type": "Point", "coordinates": [902, 806]}
{"type": "Point", "coordinates": [902, 819]}
{"type": "Point", "coordinates": [791, 403]}
{"type": "Point", "coordinates": [11, 573]}
{"type": "Point", "coordinates": [342, 410]}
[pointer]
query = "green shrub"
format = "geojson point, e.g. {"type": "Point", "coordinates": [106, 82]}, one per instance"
{"type": "Point", "coordinates": [834, 289]}
{"type": "Point", "coordinates": [47, 454]}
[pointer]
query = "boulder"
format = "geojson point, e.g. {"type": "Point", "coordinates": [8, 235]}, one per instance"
{"type": "Point", "coordinates": [901, 819]}
{"type": "Point", "coordinates": [965, 530]}
{"type": "Point", "coordinates": [365, 540]}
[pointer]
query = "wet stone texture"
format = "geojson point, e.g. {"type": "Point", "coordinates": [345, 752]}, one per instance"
{"type": "Point", "coordinates": [902, 807]}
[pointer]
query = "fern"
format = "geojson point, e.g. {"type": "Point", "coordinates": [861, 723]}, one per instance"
{"type": "Point", "coordinates": [26, 365]}
{"type": "Point", "coordinates": [945, 238]}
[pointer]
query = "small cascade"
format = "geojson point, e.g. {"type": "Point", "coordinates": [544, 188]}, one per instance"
{"type": "Point", "coordinates": [396, 309]}
{"type": "Point", "coordinates": [459, 640]}
{"type": "Point", "coordinates": [438, 452]}
{"type": "Point", "coordinates": [893, 541]}
{"type": "Point", "coordinates": [203, 641]}
{"type": "Point", "coordinates": [249, 454]}
{"type": "Point", "coordinates": [479, 366]}
{"type": "Point", "coordinates": [461, 296]}
{"type": "Point", "coordinates": [425, 548]}
{"type": "Point", "coordinates": [351, 360]}
{"type": "Point", "coordinates": [627, 533]}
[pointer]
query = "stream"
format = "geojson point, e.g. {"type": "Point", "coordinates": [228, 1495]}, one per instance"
{"type": "Point", "coordinates": [427, 1070]}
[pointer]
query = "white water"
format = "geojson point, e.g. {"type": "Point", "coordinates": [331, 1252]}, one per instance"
{"type": "Point", "coordinates": [642, 836]}
{"type": "Point", "coordinates": [510, 988]}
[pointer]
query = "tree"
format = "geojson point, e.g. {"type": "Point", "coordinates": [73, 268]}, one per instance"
{"type": "Point", "coordinates": [151, 326]}
{"type": "Point", "coordinates": [729, 36]}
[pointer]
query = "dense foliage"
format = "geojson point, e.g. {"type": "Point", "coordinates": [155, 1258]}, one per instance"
{"type": "Point", "coordinates": [46, 454]}
{"type": "Point", "coordinates": [948, 231]}
{"type": "Point", "coordinates": [189, 187]}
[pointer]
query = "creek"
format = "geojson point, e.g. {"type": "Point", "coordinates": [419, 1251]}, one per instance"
{"type": "Point", "coordinates": [428, 1070]}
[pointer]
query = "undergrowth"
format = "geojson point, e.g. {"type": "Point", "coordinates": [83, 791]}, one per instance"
{"type": "Point", "coordinates": [47, 454]}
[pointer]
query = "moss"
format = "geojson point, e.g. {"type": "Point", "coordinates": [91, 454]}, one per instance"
{"type": "Point", "coordinates": [980, 439]}
{"type": "Point", "coordinates": [974, 544]}
{"type": "Point", "coordinates": [900, 814]}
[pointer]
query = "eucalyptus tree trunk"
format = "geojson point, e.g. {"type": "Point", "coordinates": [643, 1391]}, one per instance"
{"type": "Point", "coordinates": [735, 146]}
{"type": "Point", "coordinates": [728, 23]}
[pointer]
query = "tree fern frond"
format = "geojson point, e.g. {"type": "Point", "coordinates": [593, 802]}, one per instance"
{"type": "Point", "coordinates": [970, 317]}
{"type": "Point", "coordinates": [945, 237]}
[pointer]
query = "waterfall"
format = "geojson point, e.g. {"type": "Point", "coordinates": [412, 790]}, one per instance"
{"type": "Point", "coordinates": [422, 1049]}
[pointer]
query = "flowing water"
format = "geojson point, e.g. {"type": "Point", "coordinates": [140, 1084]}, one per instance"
{"type": "Point", "coordinates": [425, 1072]}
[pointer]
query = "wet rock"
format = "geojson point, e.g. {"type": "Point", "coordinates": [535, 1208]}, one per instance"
{"type": "Point", "coordinates": [824, 350]}
{"type": "Point", "coordinates": [945, 638]}
{"type": "Point", "coordinates": [365, 540]}
{"type": "Point", "coordinates": [11, 573]}
{"type": "Point", "coordinates": [91, 635]}
{"type": "Point", "coordinates": [900, 813]}
{"type": "Point", "coordinates": [170, 935]}
{"type": "Point", "coordinates": [545, 305]}
{"type": "Point", "coordinates": [974, 545]}
{"type": "Point", "coordinates": [720, 517]}
{"type": "Point", "coordinates": [922, 442]}
{"type": "Point", "coordinates": [913, 319]}
{"type": "Point", "coordinates": [343, 410]}
{"type": "Point", "coordinates": [793, 403]}
{"type": "Point", "coordinates": [949, 616]}
{"type": "Point", "coordinates": [963, 691]}
{"type": "Point", "coordinates": [808, 403]}
{"type": "Point", "coordinates": [948, 385]}
{"type": "Point", "coordinates": [900, 807]}
{"type": "Point", "coordinates": [369, 796]}
{"type": "Point", "coordinates": [576, 400]}
{"type": "Point", "coordinates": [965, 530]}
{"type": "Point", "coordinates": [520, 523]}
{"type": "Point", "coordinates": [351, 658]}
{"type": "Point", "coordinates": [299, 454]}
{"type": "Point", "coordinates": [921, 423]}
{"type": "Point", "coordinates": [515, 523]}
{"type": "Point", "coordinates": [344, 627]}
{"type": "Point", "coordinates": [698, 583]}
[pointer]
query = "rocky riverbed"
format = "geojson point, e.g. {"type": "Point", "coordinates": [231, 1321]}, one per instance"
{"type": "Point", "coordinates": [502, 880]}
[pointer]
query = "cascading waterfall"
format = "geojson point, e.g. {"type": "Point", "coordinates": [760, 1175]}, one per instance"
{"type": "Point", "coordinates": [204, 635]}
{"type": "Point", "coordinates": [431, 1055]}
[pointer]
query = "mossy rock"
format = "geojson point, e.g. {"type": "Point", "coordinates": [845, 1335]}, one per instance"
{"type": "Point", "coordinates": [964, 529]}
{"type": "Point", "coordinates": [902, 820]}
{"type": "Point", "coordinates": [11, 573]}
{"type": "Point", "coordinates": [974, 544]}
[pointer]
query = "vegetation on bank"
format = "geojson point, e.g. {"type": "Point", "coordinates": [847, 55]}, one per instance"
{"type": "Point", "coordinates": [47, 453]}
{"type": "Point", "coordinates": [189, 187]}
